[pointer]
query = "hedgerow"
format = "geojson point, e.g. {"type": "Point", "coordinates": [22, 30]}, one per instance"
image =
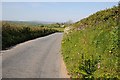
{"type": "Point", "coordinates": [14, 34]}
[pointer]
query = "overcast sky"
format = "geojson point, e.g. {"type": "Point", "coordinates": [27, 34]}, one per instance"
{"type": "Point", "coordinates": [51, 11]}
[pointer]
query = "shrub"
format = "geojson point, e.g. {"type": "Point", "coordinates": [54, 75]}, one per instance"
{"type": "Point", "coordinates": [14, 34]}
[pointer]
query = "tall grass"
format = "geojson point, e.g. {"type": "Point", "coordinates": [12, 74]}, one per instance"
{"type": "Point", "coordinates": [14, 34]}
{"type": "Point", "coordinates": [91, 49]}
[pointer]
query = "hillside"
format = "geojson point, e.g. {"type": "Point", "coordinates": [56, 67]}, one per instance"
{"type": "Point", "coordinates": [91, 48]}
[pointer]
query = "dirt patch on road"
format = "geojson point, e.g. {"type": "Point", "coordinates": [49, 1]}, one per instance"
{"type": "Point", "coordinates": [63, 70]}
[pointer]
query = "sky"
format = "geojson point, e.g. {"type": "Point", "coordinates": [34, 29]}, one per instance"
{"type": "Point", "coordinates": [51, 11]}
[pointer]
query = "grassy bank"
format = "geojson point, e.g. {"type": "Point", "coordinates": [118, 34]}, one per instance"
{"type": "Point", "coordinates": [91, 48]}
{"type": "Point", "coordinates": [13, 34]}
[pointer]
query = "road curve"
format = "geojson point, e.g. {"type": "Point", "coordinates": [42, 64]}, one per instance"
{"type": "Point", "coordinates": [38, 58]}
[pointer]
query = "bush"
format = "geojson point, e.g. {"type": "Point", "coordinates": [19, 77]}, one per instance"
{"type": "Point", "coordinates": [14, 34]}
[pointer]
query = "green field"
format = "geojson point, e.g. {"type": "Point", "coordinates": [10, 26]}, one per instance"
{"type": "Point", "coordinates": [91, 48]}
{"type": "Point", "coordinates": [14, 33]}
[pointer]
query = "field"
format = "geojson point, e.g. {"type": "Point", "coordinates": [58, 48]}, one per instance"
{"type": "Point", "coordinates": [91, 48]}
{"type": "Point", "coordinates": [14, 33]}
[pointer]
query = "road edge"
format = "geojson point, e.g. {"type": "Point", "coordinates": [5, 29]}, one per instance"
{"type": "Point", "coordinates": [63, 69]}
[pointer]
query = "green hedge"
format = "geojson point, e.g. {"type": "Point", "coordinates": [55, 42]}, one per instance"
{"type": "Point", "coordinates": [13, 34]}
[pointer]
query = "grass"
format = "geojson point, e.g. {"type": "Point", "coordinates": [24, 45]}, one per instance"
{"type": "Point", "coordinates": [91, 49]}
{"type": "Point", "coordinates": [13, 34]}
{"type": "Point", "coordinates": [59, 29]}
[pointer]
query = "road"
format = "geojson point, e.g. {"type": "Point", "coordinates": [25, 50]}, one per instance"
{"type": "Point", "coordinates": [38, 58]}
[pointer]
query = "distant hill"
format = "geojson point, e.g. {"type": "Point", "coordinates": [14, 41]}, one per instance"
{"type": "Point", "coordinates": [30, 22]}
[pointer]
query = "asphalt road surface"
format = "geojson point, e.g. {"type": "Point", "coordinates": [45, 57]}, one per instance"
{"type": "Point", "coordinates": [38, 58]}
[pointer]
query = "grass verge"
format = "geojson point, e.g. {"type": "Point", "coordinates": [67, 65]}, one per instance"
{"type": "Point", "coordinates": [91, 48]}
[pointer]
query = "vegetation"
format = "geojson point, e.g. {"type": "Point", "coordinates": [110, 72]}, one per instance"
{"type": "Point", "coordinates": [57, 26]}
{"type": "Point", "coordinates": [14, 33]}
{"type": "Point", "coordinates": [91, 48]}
